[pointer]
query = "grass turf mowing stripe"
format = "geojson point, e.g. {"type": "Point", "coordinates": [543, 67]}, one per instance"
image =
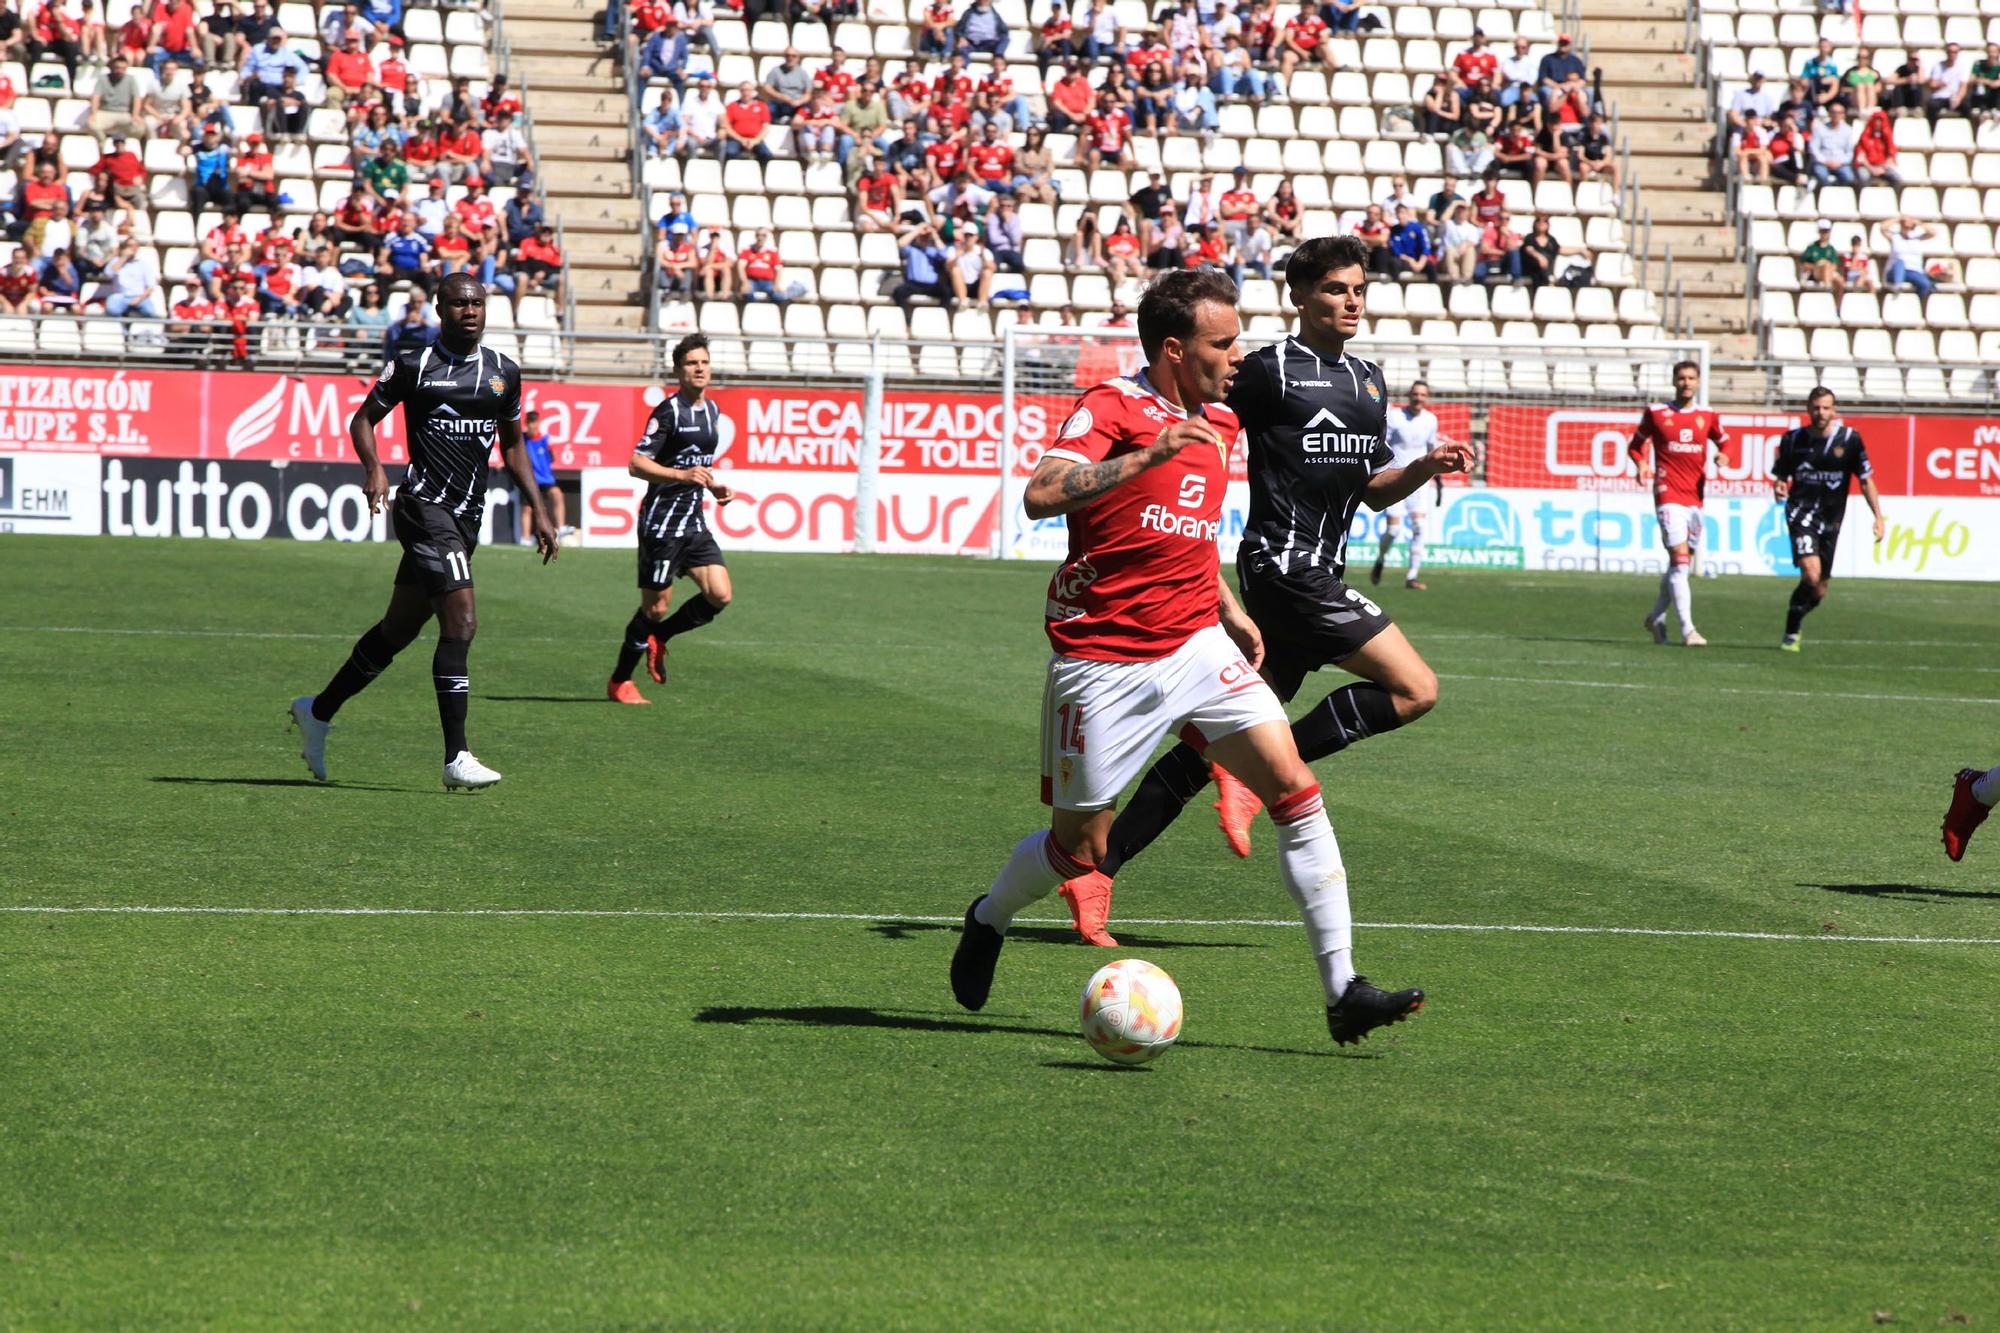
{"type": "Point", "coordinates": [1189, 922]}
{"type": "Point", "coordinates": [1653, 687]}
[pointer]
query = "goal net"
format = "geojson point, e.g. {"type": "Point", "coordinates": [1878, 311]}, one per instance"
{"type": "Point", "coordinates": [1545, 416]}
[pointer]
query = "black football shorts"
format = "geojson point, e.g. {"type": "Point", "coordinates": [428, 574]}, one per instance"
{"type": "Point", "coordinates": [1309, 618]}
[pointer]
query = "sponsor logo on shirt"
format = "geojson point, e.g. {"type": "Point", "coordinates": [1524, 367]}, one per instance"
{"type": "Point", "coordinates": [1159, 519]}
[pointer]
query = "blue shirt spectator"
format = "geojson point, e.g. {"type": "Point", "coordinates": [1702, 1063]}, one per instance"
{"type": "Point", "coordinates": [406, 251]}
{"type": "Point", "coordinates": [384, 14]}
{"type": "Point", "coordinates": [665, 57]}
{"type": "Point", "coordinates": [524, 215]}
{"type": "Point", "coordinates": [267, 64]}
{"type": "Point", "coordinates": [676, 217]}
{"type": "Point", "coordinates": [924, 258]}
{"type": "Point", "coordinates": [982, 30]}
{"type": "Point", "coordinates": [414, 329]}
{"type": "Point", "coordinates": [1409, 238]}
{"type": "Point", "coordinates": [1558, 65]}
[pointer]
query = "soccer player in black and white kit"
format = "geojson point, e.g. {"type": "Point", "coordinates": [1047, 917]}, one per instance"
{"type": "Point", "coordinates": [1811, 474]}
{"type": "Point", "coordinates": [675, 455]}
{"type": "Point", "coordinates": [1315, 418]}
{"type": "Point", "coordinates": [456, 397]}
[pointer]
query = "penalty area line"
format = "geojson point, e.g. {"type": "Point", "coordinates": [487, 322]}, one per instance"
{"type": "Point", "coordinates": [891, 918]}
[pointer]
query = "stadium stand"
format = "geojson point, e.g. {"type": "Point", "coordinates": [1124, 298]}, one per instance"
{"type": "Point", "coordinates": [1868, 229]}
{"type": "Point", "coordinates": [236, 185]}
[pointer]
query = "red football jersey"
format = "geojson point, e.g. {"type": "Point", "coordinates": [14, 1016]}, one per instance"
{"type": "Point", "coordinates": [1473, 65]}
{"type": "Point", "coordinates": [1107, 130]}
{"type": "Point", "coordinates": [1680, 443]}
{"type": "Point", "coordinates": [991, 161]}
{"type": "Point", "coordinates": [1143, 562]}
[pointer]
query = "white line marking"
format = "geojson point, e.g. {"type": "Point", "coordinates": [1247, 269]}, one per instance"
{"type": "Point", "coordinates": [1721, 689]}
{"type": "Point", "coordinates": [892, 917]}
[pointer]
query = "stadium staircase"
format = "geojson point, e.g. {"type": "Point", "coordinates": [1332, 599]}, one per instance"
{"type": "Point", "coordinates": [575, 91]}
{"type": "Point", "coordinates": [1646, 50]}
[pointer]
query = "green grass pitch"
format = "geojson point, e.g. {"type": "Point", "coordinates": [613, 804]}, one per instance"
{"type": "Point", "coordinates": [465, 1119]}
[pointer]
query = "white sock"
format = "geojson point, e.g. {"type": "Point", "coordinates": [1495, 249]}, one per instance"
{"type": "Point", "coordinates": [1031, 874]}
{"type": "Point", "coordinates": [1665, 599]}
{"type": "Point", "coordinates": [1986, 790]}
{"type": "Point", "coordinates": [1310, 866]}
{"type": "Point", "coordinates": [1416, 552]}
{"type": "Point", "coordinates": [1677, 580]}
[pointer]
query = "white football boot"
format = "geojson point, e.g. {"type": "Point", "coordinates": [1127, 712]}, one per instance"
{"type": "Point", "coordinates": [312, 735]}
{"type": "Point", "coordinates": [468, 773]}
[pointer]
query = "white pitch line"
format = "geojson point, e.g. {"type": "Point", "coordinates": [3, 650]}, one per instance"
{"type": "Point", "coordinates": [1652, 686]}
{"type": "Point", "coordinates": [893, 917]}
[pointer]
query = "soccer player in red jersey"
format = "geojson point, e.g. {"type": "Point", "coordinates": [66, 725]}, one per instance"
{"type": "Point", "coordinates": [1149, 642]}
{"type": "Point", "coordinates": [1680, 436]}
{"type": "Point", "coordinates": [1973, 796]}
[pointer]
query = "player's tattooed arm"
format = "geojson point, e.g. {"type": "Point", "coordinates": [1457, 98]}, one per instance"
{"type": "Point", "coordinates": [1063, 484]}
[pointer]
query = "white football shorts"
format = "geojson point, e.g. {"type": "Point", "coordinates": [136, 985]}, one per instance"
{"type": "Point", "coordinates": [1101, 721]}
{"type": "Point", "coordinates": [1417, 505]}
{"type": "Point", "coordinates": [1680, 524]}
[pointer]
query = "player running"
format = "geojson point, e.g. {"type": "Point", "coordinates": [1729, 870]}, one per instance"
{"type": "Point", "coordinates": [675, 455]}
{"type": "Point", "coordinates": [1973, 796]}
{"type": "Point", "coordinates": [456, 396]}
{"type": "Point", "coordinates": [1315, 419]}
{"type": "Point", "coordinates": [1413, 432]}
{"type": "Point", "coordinates": [1680, 436]}
{"type": "Point", "coordinates": [1811, 473]}
{"type": "Point", "coordinates": [1149, 642]}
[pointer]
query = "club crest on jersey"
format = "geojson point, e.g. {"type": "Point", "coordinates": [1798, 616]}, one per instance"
{"type": "Point", "coordinates": [1373, 392]}
{"type": "Point", "coordinates": [388, 372]}
{"type": "Point", "coordinates": [1079, 424]}
{"type": "Point", "coordinates": [497, 384]}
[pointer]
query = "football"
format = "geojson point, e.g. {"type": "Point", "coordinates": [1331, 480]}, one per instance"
{"type": "Point", "coordinates": [1131, 1011]}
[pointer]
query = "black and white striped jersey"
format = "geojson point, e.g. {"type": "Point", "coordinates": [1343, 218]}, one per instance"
{"type": "Point", "coordinates": [679, 434]}
{"type": "Point", "coordinates": [1820, 469]}
{"type": "Point", "coordinates": [452, 409]}
{"type": "Point", "coordinates": [1316, 430]}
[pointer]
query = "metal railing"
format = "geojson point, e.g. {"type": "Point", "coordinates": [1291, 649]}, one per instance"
{"type": "Point", "coordinates": [503, 63]}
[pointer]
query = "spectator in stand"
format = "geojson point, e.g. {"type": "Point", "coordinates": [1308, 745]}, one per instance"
{"type": "Point", "coordinates": [452, 247]}
{"type": "Point", "coordinates": [740, 133]}
{"type": "Point", "coordinates": [664, 133]}
{"type": "Point", "coordinates": [462, 153]}
{"type": "Point", "coordinates": [1798, 101]}
{"type": "Point", "coordinates": [1104, 38]}
{"type": "Point", "coordinates": [1469, 154]}
{"type": "Point", "coordinates": [864, 119]}
{"type": "Point", "coordinates": [701, 114]}
{"type": "Point", "coordinates": [1756, 100]}
{"type": "Point", "coordinates": [1209, 248]}
{"type": "Point", "coordinates": [337, 21]}
{"type": "Point", "coordinates": [348, 71]}
{"type": "Point", "coordinates": [127, 172]}
{"type": "Point", "coordinates": [414, 329]}
{"type": "Point", "coordinates": [1857, 266]}
{"type": "Point", "coordinates": [1592, 156]}
{"type": "Point", "coordinates": [1753, 154]}
{"type": "Point", "coordinates": [1557, 67]}
{"type": "Point", "coordinates": [1908, 239]}
{"type": "Point", "coordinates": [815, 129]}
{"type": "Point", "coordinates": [697, 19]}
{"type": "Point", "coordinates": [997, 85]}
{"type": "Point", "coordinates": [476, 211]}
{"type": "Point", "coordinates": [60, 288]}
{"type": "Point", "coordinates": [37, 203]}
{"type": "Point", "coordinates": [1907, 89]}
{"type": "Point", "coordinates": [523, 215]}
{"type": "Point", "coordinates": [1832, 148]}
{"type": "Point", "coordinates": [170, 114]}
{"type": "Point", "coordinates": [354, 221]}
{"type": "Point", "coordinates": [1438, 207]}
{"type": "Point", "coordinates": [939, 34]}
{"type": "Point", "coordinates": [1488, 202]}
{"type": "Point", "coordinates": [215, 37]}
{"type": "Point", "coordinates": [1070, 99]}
{"type": "Point", "coordinates": [90, 35]}
{"type": "Point", "coordinates": [1788, 150]}
{"type": "Point", "coordinates": [1518, 71]}
{"type": "Point", "coordinates": [134, 283]}
{"type": "Point", "coordinates": [1875, 151]}
{"type": "Point", "coordinates": [925, 262]}
{"type": "Point", "coordinates": [980, 31]}
{"type": "Point", "coordinates": [59, 231]}
{"type": "Point", "coordinates": [94, 244]}
{"type": "Point", "coordinates": [369, 317]}
{"type": "Point", "coordinates": [538, 263]}
{"type": "Point", "coordinates": [262, 69]}
{"type": "Point", "coordinates": [1412, 257]}
{"type": "Point", "coordinates": [508, 161]}
{"type": "Point", "coordinates": [1861, 85]}
{"type": "Point", "coordinates": [53, 36]}
{"type": "Point", "coordinates": [1005, 236]}
{"type": "Point", "coordinates": [386, 15]}
{"type": "Point", "coordinates": [1238, 75]}
{"type": "Point", "coordinates": [1948, 84]}
{"type": "Point", "coordinates": [1124, 253]}
{"type": "Point", "coordinates": [20, 284]}
{"type": "Point", "coordinates": [1822, 76]}
{"type": "Point", "coordinates": [1542, 254]}
{"type": "Point", "coordinates": [1169, 249]}
{"type": "Point", "coordinates": [716, 278]}
{"type": "Point", "coordinates": [878, 196]}
{"type": "Point", "coordinates": [992, 162]}
{"type": "Point", "coordinates": [1819, 263]}
{"type": "Point", "coordinates": [1373, 232]}
{"type": "Point", "coordinates": [1284, 216]}
{"type": "Point", "coordinates": [278, 287]}
{"type": "Point", "coordinates": [970, 269]}
{"type": "Point", "coordinates": [1305, 40]}
{"type": "Point", "coordinates": [1152, 103]}
{"type": "Point", "coordinates": [1238, 207]}
{"type": "Point", "coordinates": [1983, 84]}
{"type": "Point", "coordinates": [1477, 62]}
{"type": "Point", "coordinates": [676, 259]}
{"type": "Point", "coordinates": [284, 116]}
{"type": "Point", "coordinates": [323, 288]}
{"type": "Point", "coordinates": [665, 56]}
{"type": "Point", "coordinates": [1514, 153]}
{"type": "Point", "coordinates": [120, 104]}
{"type": "Point", "coordinates": [1499, 250]}
{"type": "Point", "coordinates": [405, 256]}
{"type": "Point", "coordinates": [431, 210]}
{"type": "Point", "coordinates": [1055, 39]}
{"type": "Point", "coordinates": [1085, 248]}
{"type": "Point", "coordinates": [1194, 110]}
{"type": "Point", "coordinates": [1482, 109]}
{"type": "Point", "coordinates": [757, 270]}
{"type": "Point", "coordinates": [1106, 141]}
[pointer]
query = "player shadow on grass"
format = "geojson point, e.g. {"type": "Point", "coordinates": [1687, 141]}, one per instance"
{"type": "Point", "coordinates": [1908, 892]}
{"type": "Point", "coordinates": [544, 699]}
{"type": "Point", "coordinates": [899, 930]}
{"type": "Point", "coordinates": [286, 782]}
{"type": "Point", "coordinates": [919, 1020]}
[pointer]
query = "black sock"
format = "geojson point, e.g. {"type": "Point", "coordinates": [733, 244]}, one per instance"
{"type": "Point", "coordinates": [694, 613]}
{"type": "Point", "coordinates": [369, 658]}
{"type": "Point", "coordinates": [448, 678]}
{"type": "Point", "coordinates": [637, 630]}
{"type": "Point", "coordinates": [1802, 604]}
{"type": "Point", "coordinates": [1163, 793]}
{"type": "Point", "coordinates": [1344, 717]}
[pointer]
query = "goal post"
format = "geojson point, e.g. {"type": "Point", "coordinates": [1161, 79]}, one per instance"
{"type": "Point", "coordinates": [1551, 415]}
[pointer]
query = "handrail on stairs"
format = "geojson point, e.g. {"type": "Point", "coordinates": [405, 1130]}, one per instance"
{"type": "Point", "coordinates": [503, 63]}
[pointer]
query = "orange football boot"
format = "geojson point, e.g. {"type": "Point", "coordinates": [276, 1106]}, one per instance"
{"type": "Point", "coordinates": [656, 658]}
{"type": "Point", "coordinates": [1966, 813]}
{"type": "Point", "coordinates": [624, 692]}
{"type": "Point", "coordinates": [1236, 805]}
{"type": "Point", "coordinates": [1089, 899]}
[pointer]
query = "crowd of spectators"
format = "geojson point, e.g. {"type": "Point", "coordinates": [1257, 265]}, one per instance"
{"type": "Point", "coordinates": [1531, 115]}
{"type": "Point", "coordinates": [421, 155]}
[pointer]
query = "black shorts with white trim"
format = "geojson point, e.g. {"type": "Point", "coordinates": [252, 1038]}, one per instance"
{"type": "Point", "coordinates": [437, 545]}
{"type": "Point", "coordinates": [1309, 618]}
